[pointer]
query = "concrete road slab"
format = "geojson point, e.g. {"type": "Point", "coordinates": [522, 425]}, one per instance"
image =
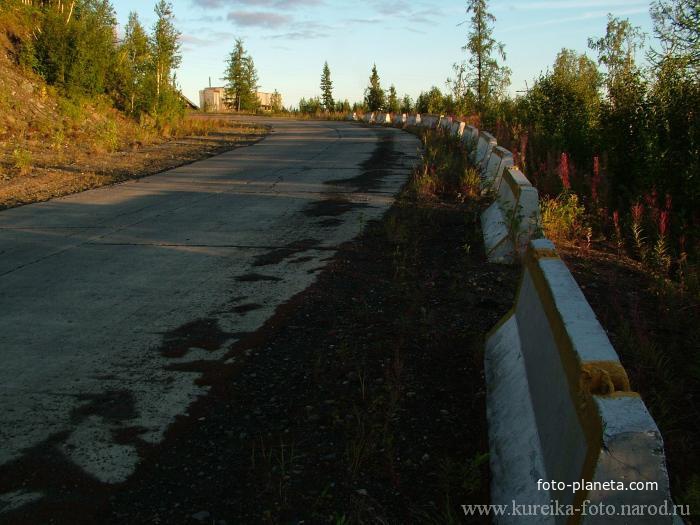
{"type": "Point", "coordinates": [100, 292]}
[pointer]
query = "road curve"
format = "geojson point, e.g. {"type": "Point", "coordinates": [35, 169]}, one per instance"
{"type": "Point", "coordinates": [103, 292]}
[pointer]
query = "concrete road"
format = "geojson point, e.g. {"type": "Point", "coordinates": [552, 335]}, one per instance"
{"type": "Point", "coordinates": [103, 291]}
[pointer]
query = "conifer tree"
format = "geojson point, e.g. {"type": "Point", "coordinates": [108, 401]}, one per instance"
{"type": "Point", "coordinates": [393, 105]}
{"type": "Point", "coordinates": [241, 80]}
{"type": "Point", "coordinates": [327, 89]}
{"type": "Point", "coordinates": [482, 72]}
{"type": "Point", "coordinates": [374, 94]}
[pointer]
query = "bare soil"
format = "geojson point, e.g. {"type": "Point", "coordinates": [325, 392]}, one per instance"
{"type": "Point", "coordinates": [361, 400]}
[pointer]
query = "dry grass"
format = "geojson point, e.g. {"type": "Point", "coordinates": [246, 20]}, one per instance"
{"type": "Point", "coordinates": [106, 151]}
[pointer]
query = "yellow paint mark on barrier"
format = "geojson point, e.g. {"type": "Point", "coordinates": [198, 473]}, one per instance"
{"type": "Point", "coordinates": [585, 380]}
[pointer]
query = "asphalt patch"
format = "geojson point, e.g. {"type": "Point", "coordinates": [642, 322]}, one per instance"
{"type": "Point", "coordinates": [278, 255]}
{"type": "Point", "coordinates": [201, 333]}
{"type": "Point", "coordinates": [256, 277]}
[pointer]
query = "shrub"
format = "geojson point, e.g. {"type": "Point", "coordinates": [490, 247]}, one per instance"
{"type": "Point", "coordinates": [470, 183]}
{"type": "Point", "coordinates": [22, 160]}
{"type": "Point", "coordinates": [562, 217]}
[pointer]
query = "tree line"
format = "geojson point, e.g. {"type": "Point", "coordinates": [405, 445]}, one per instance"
{"type": "Point", "coordinates": [619, 137]}
{"type": "Point", "coordinates": [73, 46]}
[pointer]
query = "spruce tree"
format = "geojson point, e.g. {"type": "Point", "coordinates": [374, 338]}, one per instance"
{"type": "Point", "coordinates": [374, 94]}
{"type": "Point", "coordinates": [241, 80]}
{"type": "Point", "coordinates": [327, 89]}
{"type": "Point", "coordinates": [406, 104]}
{"type": "Point", "coordinates": [393, 100]}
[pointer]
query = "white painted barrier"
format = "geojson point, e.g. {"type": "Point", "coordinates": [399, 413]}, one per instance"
{"type": "Point", "coordinates": [485, 144]}
{"type": "Point", "coordinates": [512, 220]}
{"type": "Point", "coordinates": [367, 117]}
{"type": "Point", "coordinates": [498, 162]}
{"type": "Point", "coordinates": [470, 139]}
{"type": "Point", "coordinates": [400, 119]}
{"type": "Point", "coordinates": [457, 128]}
{"type": "Point", "coordinates": [383, 118]}
{"type": "Point", "coordinates": [560, 408]}
{"type": "Point", "coordinates": [411, 120]}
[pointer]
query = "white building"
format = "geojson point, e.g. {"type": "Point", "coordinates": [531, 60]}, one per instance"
{"type": "Point", "coordinates": [213, 99]}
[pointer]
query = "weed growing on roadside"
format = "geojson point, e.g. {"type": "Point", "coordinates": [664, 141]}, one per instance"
{"type": "Point", "coordinates": [562, 217]}
{"type": "Point", "coordinates": [661, 252]}
{"type": "Point", "coordinates": [638, 230]}
{"type": "Point", "coordinates": [22, 160]}
{"type": "Point", "coordinates": [470, 183]}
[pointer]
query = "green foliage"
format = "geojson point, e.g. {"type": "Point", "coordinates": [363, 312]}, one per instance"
{"type": "Point", "coordinates": [375, 98]}
{"type": "Point", "coordinates": [327, 88]}
{"type": "Point", "coordinates": [677, 25]}
{"type": "Point", "coordinates": [392, 103]}
{"type": "Point", "coordinates": [133, 69]}
{"type": "Point", "coordinates": [75, 48]}
{"type": "Point", "coordinates": [343, 107]}
{"type": "Point", "coordinates": [481, 73]}
{"type": "Point", "coordinates": [624, 123]}
{"type": "Point", "coordinates": [311, 106]}
{"type": "Point", "coordinates": [430, 102]}
{"type": "Point", "coordinates": [276, 102]}
{"type": "Point", "coordinates": [562, 217]}
{"type": "Point", "coordinates": [241, 80]}
{"type": "Point", "coordinates": [564, 105]}
{"type": "Point", "coordinates": [406, 104]}
{"type": "Point", "coordinates": [22, 160]}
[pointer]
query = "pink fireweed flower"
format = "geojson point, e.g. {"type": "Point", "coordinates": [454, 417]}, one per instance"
{"type": "Point", "coordinates": [616, 219]}
{"type": "Point", "coordinates": [663, 223]}
{"type": "Point", "coordinates": [564, 171]}
{"type": "Point", "coordinates": [637, 211]}
{"type": "Point", "coordinates": [595, 181]}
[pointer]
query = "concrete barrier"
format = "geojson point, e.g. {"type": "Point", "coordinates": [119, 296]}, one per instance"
{"type": "Point", "coordinates": [383, 118]}
{"type": "Point", "coordinates": [445, 122]}
{"type": "Point", "coordinates": [470, 139]}
{"type": "Point", "coordinates": [484, 146]}
{"type": "Point", "coordinates": [457, 128]}
{"type": "Point", "coordinates": [498, 162]}
{"type": "Point", "coordinates": [512, 220]}
{"type": "Point", "coordinates": [429, 121]}
{"type": "Point", "coordinates": [560, 408]}
{"type": "Point", "coordinates": [400, 119]}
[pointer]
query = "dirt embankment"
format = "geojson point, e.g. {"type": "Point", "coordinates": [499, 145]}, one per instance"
{"type": "Point", "coordinates": [52, 146]}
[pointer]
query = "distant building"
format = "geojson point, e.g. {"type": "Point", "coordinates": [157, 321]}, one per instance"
{"type": "Point", "coordinates": [188, 103]}
{"type": "Point", "coordinates": [213, 99]}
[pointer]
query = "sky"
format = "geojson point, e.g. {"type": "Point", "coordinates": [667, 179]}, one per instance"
{"type": "Point", "coordinates": [414, 43]}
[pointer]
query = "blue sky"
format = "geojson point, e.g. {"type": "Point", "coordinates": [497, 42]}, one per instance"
{"type": "Point", "coordinates": [413, 42]}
